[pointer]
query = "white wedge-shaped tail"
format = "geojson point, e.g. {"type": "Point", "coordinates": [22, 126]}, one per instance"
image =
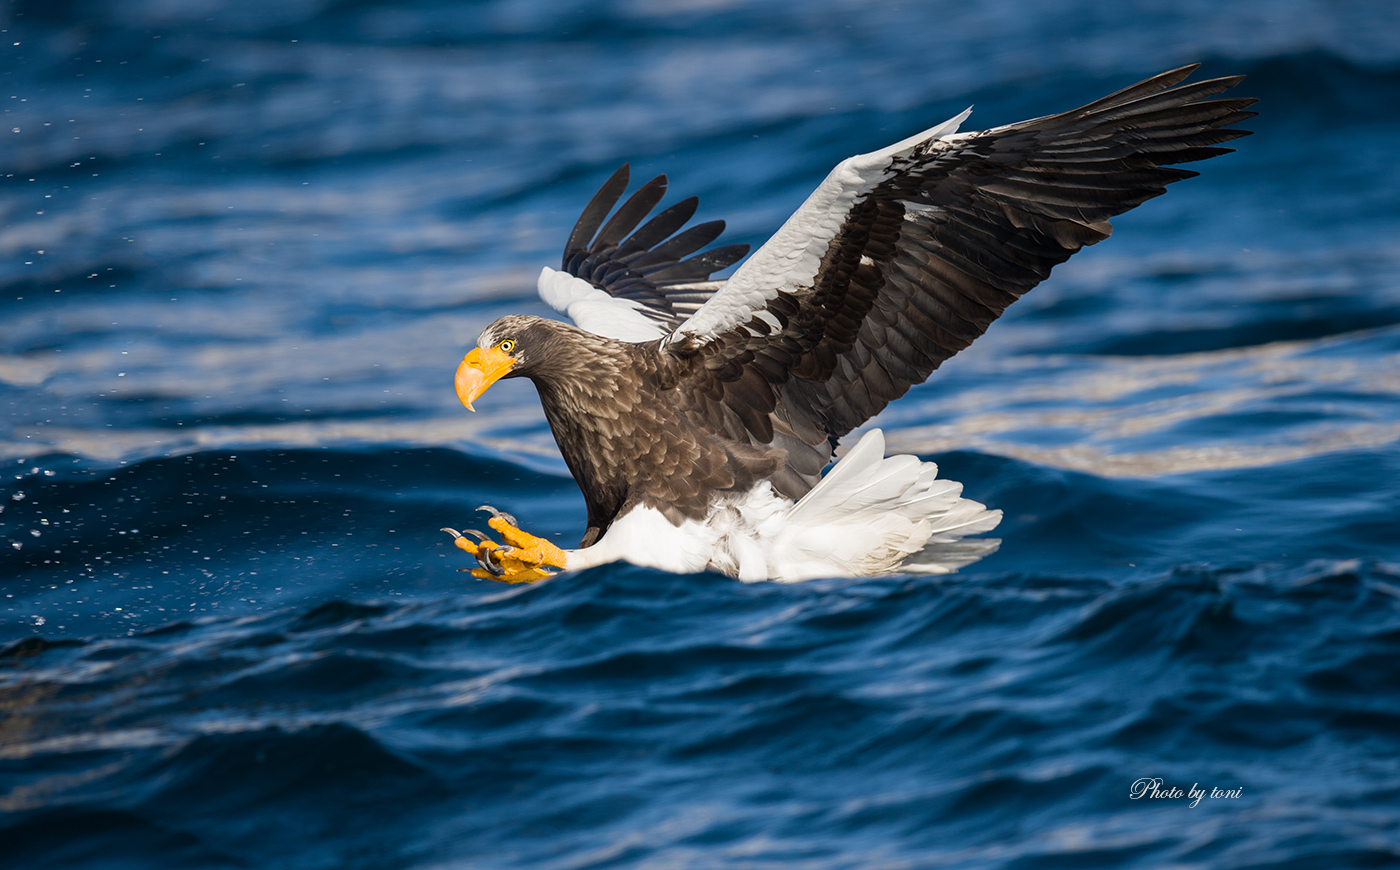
{"type": "Point", "coordinates": [873, 514]}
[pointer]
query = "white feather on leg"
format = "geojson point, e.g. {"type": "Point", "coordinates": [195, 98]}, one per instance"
{"type": "Point", "coordinates": [870, 514]}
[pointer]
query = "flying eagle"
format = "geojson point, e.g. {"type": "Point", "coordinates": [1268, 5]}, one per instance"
{"type": "Point", "coordinates": [697, 415]}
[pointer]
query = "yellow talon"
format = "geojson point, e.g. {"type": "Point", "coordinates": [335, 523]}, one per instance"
{"type": "Point", "coordinates": [525, 547]}
{"type": "Point", "coordinates": [524, 559]}
{"type": "Point", "coordinates": [528, 576]}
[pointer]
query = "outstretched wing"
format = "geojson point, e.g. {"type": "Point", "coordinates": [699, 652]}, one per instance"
{"type": "Point", "coordinates": [901, 258]}
{"type": "Point", "coordinates": [636, 287]}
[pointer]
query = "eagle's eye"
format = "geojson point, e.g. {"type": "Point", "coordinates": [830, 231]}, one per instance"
{"type": "Point", "coordinates": [507, 346]}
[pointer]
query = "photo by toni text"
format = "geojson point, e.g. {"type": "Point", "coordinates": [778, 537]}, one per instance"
{"type": "Point", "coordinates": [1151, 787]}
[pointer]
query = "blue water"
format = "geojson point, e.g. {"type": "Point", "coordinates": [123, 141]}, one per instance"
{"type": "Point", "coordinates": [245, 244]}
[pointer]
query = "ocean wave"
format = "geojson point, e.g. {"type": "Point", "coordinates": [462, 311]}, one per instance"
{"type": "Point", "coordinates": [493, 705]}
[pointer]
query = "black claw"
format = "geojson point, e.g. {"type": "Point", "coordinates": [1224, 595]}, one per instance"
{"type": "Point", "coordinates": [500, 515]}
{"type": "Point", "coordinates": [484, 557]}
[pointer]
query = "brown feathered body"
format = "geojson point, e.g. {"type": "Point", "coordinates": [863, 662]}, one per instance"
{"type": "Point", "coordinates": [626, 426]}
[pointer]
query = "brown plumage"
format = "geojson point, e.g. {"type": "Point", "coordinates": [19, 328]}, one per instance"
{"type": "Point", "coordinates": [936, 241]}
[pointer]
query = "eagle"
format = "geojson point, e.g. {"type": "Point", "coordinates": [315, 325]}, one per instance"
{"type": "Point", "coordinates": [698, 415]}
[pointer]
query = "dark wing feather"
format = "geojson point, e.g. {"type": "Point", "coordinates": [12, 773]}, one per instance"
{"type": "Point", "coordinates": [653, 265]}
{"type": "Point", "coordinates": [938, 237]}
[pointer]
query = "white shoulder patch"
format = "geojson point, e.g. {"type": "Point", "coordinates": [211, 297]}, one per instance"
{"type": "Point", "coordinates": [790, 259]}
{"type": "Point", "coordinates": [593, 310]}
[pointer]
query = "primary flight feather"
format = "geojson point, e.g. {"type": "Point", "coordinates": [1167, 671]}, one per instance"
{"type": "Point", "coordinates": [697, 415]}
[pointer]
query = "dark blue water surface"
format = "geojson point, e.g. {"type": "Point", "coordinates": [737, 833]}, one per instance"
{"type": "Point", "coordinates": [244, 245]}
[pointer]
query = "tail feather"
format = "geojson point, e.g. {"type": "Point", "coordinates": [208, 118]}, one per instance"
{"type": "Point", "coordinates": [945, 558]}
{"type": "Point", "coordinates": [874, 514]}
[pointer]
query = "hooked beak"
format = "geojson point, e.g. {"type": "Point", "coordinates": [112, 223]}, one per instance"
{"type": "Point", "coordinates": [479, 370]}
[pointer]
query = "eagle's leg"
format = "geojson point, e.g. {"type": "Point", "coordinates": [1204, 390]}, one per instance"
{"type": "Point", "coordinates": [524, 558]}
{"type": "Point", "coordinates": [525, 553]}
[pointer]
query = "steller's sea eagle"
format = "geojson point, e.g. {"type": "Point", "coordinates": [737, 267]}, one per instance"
{"type": "Point", "coordinates": [697, 415]}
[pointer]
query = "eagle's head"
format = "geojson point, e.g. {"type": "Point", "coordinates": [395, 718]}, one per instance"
{"type": "Point", "coordinates": [517, 345]}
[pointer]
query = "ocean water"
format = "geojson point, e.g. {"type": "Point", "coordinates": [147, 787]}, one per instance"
{"type": "Point", "coordinates": [244, 245]}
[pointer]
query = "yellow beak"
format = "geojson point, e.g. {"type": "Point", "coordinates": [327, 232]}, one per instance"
{"type": "Point", "coordinates": [479, 370]}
